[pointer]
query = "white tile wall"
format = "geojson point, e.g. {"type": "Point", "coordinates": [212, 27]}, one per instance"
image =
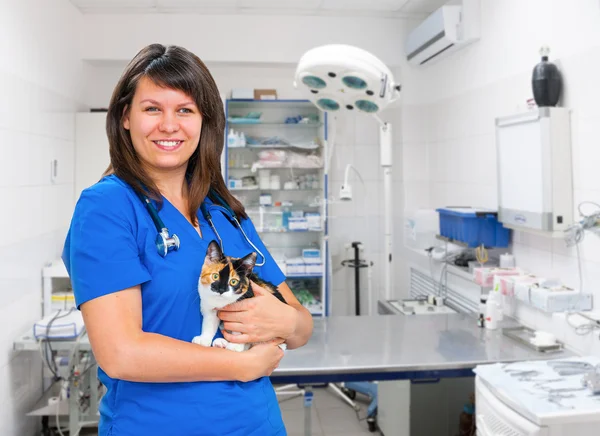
{"type": "Point", "coordinates": [40, 87]}
{"type": "Point", "coordinates": [463, 96]}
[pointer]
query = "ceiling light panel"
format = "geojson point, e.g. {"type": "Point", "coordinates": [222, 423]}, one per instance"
{"type": "Point", "coordinates": [366, 5]}
{"type": "Point", "coordinates": [196, 5]}
{"type": "Point", "coordinates": [114, 4]}
{"type": "Point", "coordinates": [422, 6]}
{"type": "Point", "coordinates": [279, 4]}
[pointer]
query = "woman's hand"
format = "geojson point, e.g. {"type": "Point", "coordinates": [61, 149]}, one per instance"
{"type": "Point", "coordinates": [261, 360]}
{"type": "Point", "coordinates": [258, 319]}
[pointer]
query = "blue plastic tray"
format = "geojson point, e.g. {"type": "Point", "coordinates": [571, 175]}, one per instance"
{"type": "Point", "coordinates": [473, 227]}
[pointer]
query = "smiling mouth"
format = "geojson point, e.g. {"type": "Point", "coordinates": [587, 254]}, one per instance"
{"type": "Point", "coordinates": [168, 145]}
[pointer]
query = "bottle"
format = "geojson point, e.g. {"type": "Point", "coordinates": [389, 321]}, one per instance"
{"type": "Point", "coordinates": [242, 140]}
{"type": "Point", "coordinates": [466, 425]}
{"type": "Point", "coordinates": [285, 218]}
{"type": "Point", "coordinates": [481, 317]}
{"type": "Point", "coordinates": [492, 312]}
{"type": "Point", "coordinates": [231, 138]}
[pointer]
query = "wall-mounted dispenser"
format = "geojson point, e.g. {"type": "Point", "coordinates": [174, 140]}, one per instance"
{"type": "Point", "coordinates": [535, 187]}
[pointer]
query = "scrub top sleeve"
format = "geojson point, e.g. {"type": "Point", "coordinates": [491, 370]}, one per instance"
{"type": "Point", "coordinates": [101, 251]}
{"type": "Point", "coordinates": [270, 271]}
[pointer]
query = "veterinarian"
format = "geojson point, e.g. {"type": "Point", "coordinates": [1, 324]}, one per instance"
{"type": "Point", "coordinates": [134, 252]}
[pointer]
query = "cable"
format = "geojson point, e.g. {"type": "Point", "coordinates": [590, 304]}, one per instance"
{"type": "Point", "coordinates": [583, 329]}
{"type": "Point", "coordinates": [588, 202]}
{"type": "Point", "coordinates": [574, 236]}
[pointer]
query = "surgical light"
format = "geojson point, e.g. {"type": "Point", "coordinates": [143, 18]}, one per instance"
{"type": "Point", "coordinates": [341, 78]}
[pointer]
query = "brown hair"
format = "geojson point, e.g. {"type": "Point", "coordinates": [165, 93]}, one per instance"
{"type": "Point", "coordinates": [176, 68]}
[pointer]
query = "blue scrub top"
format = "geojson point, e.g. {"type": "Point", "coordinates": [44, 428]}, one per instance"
{"type": "Point", "coordinates": [110, 247]}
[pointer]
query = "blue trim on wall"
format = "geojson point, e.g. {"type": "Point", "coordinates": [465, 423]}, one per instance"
{"type": "Point", "coordinates": [225, 147]}
{"type": "Point", "coordinates": [268, 101]}
{"type": "Point", "coordinates": [371, 376]}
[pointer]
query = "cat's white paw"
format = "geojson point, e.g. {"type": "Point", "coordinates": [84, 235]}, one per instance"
{"type": "Point", "coordinates": [220, 343]}
{"type": "Point", "coordinates": [236, 347]}
{"type": "Point", "coordinates": [205, 341]}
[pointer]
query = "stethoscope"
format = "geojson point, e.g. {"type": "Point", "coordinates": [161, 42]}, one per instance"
{"type": "Point", "coordinates": [166, 243]}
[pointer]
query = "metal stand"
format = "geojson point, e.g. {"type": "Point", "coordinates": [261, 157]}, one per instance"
{"type": "Point", "coordinates": [348, 391]}
{"type": "Point", "coordinates": [356, 263]}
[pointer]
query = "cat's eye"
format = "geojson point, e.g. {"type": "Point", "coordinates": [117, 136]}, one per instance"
{"type": "Point", "coordinates": [233, 282]}
{"type": "Point", "coordinates": [215, 276]}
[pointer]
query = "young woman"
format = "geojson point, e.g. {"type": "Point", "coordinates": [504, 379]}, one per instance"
{"type": "Point", "coordinates": [140, 302]}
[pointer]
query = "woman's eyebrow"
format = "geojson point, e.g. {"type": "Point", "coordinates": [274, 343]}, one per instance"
{"type": "Point", "coordinates": [149, 100]}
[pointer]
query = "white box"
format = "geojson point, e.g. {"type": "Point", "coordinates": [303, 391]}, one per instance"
{"type": "Point", "coordinates": [313, 220]}
{"type": "Point", "coordinates": [313, 268]}
{"type": "Point", "coordinates": [420, 228]}
{"type": "Point", "coordinates": [295, 266]}
{"type": "Point", "coordinates": [535, 188]}
{"type": "Point", "coordinates": [559, 300]}
{"type": "Point", "coordinates": [311, 255]}
{"type": "Point", "coordinates": [242, 93]}
{"type": "Point", "coordinates": [297, 223]}
{"type": "Point", "coordinates": [235, 184]}
{"type": "Point", "coordinates": [508, 284]}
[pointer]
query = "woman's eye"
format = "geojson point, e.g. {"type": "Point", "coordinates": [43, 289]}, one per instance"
{"type": "Point", "coordinates": [215, 276]}
{"type": "Point", "coordinates": [186, 110]}
{"type": "Point", "coordinates": [151, 109]}
{"type": "Point", "coordinates": [233, 282]}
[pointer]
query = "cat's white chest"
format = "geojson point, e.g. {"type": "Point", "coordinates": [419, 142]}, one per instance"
{"type": "Point", "coordinates": [210, 300]}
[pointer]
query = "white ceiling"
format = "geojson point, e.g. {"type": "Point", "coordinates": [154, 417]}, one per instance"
{"type": "Point", "coordinates": [377, 8]}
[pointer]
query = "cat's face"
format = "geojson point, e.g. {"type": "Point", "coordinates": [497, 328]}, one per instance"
{"type": "Point", "coordinates": [223, 279]}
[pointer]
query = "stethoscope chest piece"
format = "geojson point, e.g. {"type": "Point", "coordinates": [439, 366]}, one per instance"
{"type": "Point", "coordinates": [166, 244]}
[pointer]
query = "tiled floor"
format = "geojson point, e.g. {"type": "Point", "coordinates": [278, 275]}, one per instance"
{"type": "Point", "coordinates": [330, 416]}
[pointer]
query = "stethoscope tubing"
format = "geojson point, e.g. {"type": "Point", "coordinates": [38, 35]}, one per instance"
{"type": "Point", "coordinates": [166, 243]}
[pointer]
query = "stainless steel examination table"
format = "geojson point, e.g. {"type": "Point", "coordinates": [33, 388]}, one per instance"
{"type": "Point", "coordinates": [378, 348]}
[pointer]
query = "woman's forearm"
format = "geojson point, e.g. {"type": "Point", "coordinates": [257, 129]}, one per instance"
{"type": "Point", "coordinates": [150, 357]}
{"type": "Point", "coordinates": [303, 329]}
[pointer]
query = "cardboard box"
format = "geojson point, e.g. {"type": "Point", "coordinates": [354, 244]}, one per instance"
{"type": "Point", "coordinates": [560, 299]}
{"type": "Point", "coordinates": [265, 94]}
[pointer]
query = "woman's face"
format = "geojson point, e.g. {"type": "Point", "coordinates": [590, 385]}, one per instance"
{"type": "Point", "coordinates": [164, 125]}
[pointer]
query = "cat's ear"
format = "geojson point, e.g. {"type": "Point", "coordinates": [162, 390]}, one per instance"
{"type": "Point", "coordinates": [214, 253]}
{"type": "Point", "coordinates": [247, 263]}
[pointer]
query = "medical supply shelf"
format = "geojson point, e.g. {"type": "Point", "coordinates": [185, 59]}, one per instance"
{"type": "Point", "coordinates": [303, 146]}
{"type": "Point", "coordinates": [256, 188]}
{"type": "Point", "coordinates": [273, 168]}
{"type": "Point", "coordinates": [305, 125]}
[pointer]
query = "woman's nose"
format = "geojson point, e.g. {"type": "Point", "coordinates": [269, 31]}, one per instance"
{"type": "Point", "coordinates": [169, 123]}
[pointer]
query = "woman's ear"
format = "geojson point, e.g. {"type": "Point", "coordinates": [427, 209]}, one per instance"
{"type": "Point", "coordinates": [126, 117]}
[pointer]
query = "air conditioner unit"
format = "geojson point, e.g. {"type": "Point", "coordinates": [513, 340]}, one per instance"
{"type": "Point", "coordinates": [446, 30]}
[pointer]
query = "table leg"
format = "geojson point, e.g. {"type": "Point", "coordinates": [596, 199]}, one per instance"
{"type": "Point", "coordinates": [308, 399]}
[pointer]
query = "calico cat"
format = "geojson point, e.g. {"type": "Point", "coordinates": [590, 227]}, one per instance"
{"type": "Point", "coordinates": [225, 280]}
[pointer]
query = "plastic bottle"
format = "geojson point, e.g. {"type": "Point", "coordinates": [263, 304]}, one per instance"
{"type": "Point", "coordinates": [481, 317]}
{"type": "Point", "coordinates": [231, 138]}
{"type": "Point", "coordinates": [492, 311]}
{"type": "Point", "coordinates": [466, 426]}
{"type": "Point", "coordinates": [285, 218]}
{"type": "Point", "coordinates": [242, 140]}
